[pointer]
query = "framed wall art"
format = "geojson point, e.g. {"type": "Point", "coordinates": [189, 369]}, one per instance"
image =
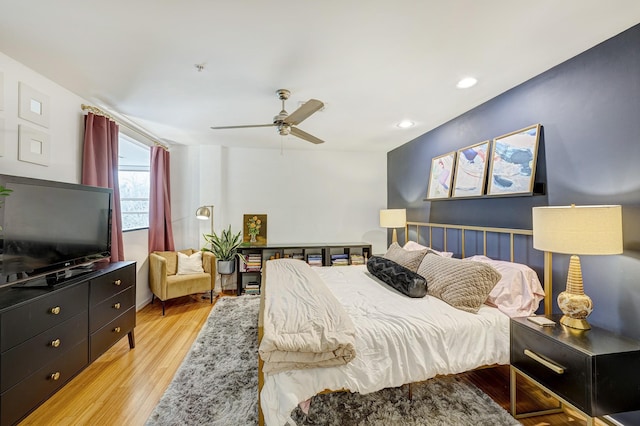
{"type": "Point", "coordinates": [470, 171]}
{"type": "Point", "coordinates": [254, 229]}
{"type": "Point", "coordinates": [441, 175]}
{"type": "Point", "coordinates": [513, 162]}
{"type": "Point", "coordinates": [33, 146]}
{"type": "Point", "coordinates": [1, 91]}
{"type": "Point", "coordinates": [33, 105]}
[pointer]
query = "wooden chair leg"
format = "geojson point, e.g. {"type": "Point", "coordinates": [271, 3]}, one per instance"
{"type": "Point", "coordinates": [211, 296]}
{"type": "Point", "coordinates": [153, 298]}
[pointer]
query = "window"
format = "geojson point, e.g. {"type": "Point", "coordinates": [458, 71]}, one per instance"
{"type": "Point", "coordinates": [134, 180]}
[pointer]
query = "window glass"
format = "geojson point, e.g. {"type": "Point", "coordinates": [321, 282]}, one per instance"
{"type": "Point", "coordinates": [134, 181]}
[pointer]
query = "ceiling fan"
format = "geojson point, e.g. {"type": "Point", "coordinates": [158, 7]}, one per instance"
{"type": "Point", "coordinates": [286, 122]}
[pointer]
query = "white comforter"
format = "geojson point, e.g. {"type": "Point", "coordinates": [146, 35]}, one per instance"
{"type": "Point", "coordinates": [304, 325]}
{"type": "Point", "coordinates": [398, 340]}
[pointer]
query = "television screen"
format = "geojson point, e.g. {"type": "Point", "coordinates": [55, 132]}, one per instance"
{"type": "Point", "coordinates": [48, 226]}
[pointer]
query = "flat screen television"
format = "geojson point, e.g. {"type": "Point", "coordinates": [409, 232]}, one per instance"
{"type": "Point", "coordinates": [49, 229]}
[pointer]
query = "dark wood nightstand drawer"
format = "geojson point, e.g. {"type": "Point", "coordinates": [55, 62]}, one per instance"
{"type": "Point", "coordinates": [104, 338]}
{"type": "Point", "coordinates": [111, 308]}
{"type": "Point", "coordinates": [112, 283]}
{"type": "Point", "coordinates": [552, 364]}
{"type": "Point", "coordinates": [600, 370]}
{"type": "Point", "coordinates": [24, 359]}
{"type": "Point", "coordinates": [20, 324]}
{"type": "Point", "coordinates": [27, 394]}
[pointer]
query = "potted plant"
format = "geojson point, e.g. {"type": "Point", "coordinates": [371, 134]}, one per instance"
{"type": "Point", "coordinates": [225, 248]}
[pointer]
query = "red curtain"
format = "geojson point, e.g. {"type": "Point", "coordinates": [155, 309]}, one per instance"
{"type": "Point", "coordinates": [160, 230]}
{"type": "Point", "coordinates": [100, 168]}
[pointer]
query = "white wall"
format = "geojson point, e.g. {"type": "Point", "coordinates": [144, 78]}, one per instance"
{"type": "Point", "coordinates": [311, 196]}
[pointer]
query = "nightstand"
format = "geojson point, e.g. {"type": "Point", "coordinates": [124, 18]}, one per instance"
{"type": "Point", "coordinates": [595, 372]}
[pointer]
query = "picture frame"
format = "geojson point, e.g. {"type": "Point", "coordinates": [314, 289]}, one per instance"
{"type": "Point", "coordinates": [254, 228]}
{"type": "Point", "coordinates": [470, 173]}
{"type": "Point", "coordinates": [1, 91]}
{"type": "Point", "coordinates": [440, 176]}
{"type": "Point", "coordinates": [33, 146]}
{"type": "Point", "coordinates": [513, 162]}
{"type": "Point", "coordinates": [2, 137]}
{"type": "Point", "coordinates": [33, 105]}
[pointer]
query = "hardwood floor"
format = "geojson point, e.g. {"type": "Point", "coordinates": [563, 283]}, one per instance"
{"type": "Point", "coordinates": [123, 386]}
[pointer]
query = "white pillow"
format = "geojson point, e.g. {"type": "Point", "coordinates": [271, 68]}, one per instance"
{"type": "Point", "coordinates": [413, 246]}
{"type": "Point", "coordinates": [190, 264]}
{"type": "Point", "coordinates": [518, 293]}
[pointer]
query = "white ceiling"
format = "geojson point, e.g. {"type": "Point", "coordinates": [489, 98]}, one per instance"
{"type": "Point", "coordinates": [372, 62]}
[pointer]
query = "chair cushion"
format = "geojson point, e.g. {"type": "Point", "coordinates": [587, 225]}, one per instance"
{"type": "Point", "coordinates": [190, 264]}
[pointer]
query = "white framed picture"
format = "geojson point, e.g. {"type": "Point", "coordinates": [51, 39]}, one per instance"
{"type": "Point", "coordinates": [1, 91]}
{"type": "Point", "coordinates": [441, 175]}
{"type": "Point", "coordinates": [33, 105]}
{"type": "Point", "coordinates": [1, 137]}
{"type": "Point", "coordinates": [33, 146]}
{"type": "Point", "coordinates": [471, 171]}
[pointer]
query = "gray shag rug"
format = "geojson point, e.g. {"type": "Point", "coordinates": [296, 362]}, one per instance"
{"type": "Point", "coordinates": [217, 384]}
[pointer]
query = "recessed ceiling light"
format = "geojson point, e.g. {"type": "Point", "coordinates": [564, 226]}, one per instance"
{"type": "Point", "coordinates": [405, 124]}
{"type": "Point", "coordinates": [466, 82]}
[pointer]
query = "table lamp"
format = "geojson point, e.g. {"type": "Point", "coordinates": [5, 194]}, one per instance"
{"type": "Point", "coordinates": [577, 230]}
{"type": "Point", "coordinates": [393, 218]}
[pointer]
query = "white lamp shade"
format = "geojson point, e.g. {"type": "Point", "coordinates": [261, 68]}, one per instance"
{"type": "Point", "coordinates": [588, 230]}
{"type": "Point", "coordinates": [393, 218]}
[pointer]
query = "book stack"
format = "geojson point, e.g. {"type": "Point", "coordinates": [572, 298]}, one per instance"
{"type": "Point", "coordinates": [357, 259]}
{"type": "Point", "coordinates": [298, 256]}
{"type": "Point", "coordinates": [252, 287]}
{"type": "Point", "coordinates": [314, 259]}
{"type": "Point", "coordinates": [253, 263]}
{"type": "Point", "coordinates": [339, 259]}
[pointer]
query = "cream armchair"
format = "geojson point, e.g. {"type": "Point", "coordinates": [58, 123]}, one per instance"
{"type": "Point", "coordinates": [165, 284]}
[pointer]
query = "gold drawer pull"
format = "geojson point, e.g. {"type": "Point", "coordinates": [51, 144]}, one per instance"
{"type": "Point", "coordinates": [55, 343]}
{"type": "Point", "coordinates": [550, 365]}
{"type": "Point", "coordinates": [116, 306]}
{"type": "Point", "coordinates": [55, 310]}
{"type": "Point", "coordinates": [117, 329]}
{"type": "Point", "coordinates": [117, 282]}
{"type": "Point", "coordinates": [54, 376]}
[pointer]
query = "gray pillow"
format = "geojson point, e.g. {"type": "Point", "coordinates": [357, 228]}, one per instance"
{"type": "Point", "coordinates": [464, 284]}
{"type": "Point", "coordinates": [397, 276]}
{"type": "Point", "coordinates": [409, 259]}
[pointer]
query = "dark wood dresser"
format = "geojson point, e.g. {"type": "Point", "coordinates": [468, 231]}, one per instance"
{"type": "Point", "coordinates": [48, 335]}
{"type": "Point", "coordinates": [594, 371]}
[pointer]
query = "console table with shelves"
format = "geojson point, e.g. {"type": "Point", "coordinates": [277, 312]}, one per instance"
{"type": "Point", "coordinates": [48, 335]}
{"type": "Point", "coordinates": [316, 254]}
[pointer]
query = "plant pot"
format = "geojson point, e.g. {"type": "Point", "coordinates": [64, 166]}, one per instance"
{"type": "Point", "coordinates": [226, 267]}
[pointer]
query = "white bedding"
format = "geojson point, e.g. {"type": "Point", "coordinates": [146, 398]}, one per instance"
{"type": "Point", "coordinates": [398, 340]}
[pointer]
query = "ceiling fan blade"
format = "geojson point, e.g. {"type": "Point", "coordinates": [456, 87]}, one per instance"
{"type": "Point", "coordinates": [243, 127]}
{"type": "Point", "coordinates": [306, 136]}
{"type": "Point", "coordinates": [302, 113]}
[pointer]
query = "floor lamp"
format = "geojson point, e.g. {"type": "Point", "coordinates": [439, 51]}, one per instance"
{"type": "Point", "coordinates": [393, 218]}
{"type": "Point", "coordinates": [204, 213]}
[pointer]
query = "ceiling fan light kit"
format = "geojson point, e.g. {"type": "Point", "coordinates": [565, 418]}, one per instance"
{"type": "Point", "coordinates": [286, 122]}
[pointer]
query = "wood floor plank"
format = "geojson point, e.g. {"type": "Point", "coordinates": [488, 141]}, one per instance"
{"type": "Point", "coordinates": [123, 386]}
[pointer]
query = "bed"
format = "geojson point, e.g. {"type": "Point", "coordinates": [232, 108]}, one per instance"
{"type": "Point", "coordinates": [375, 336]}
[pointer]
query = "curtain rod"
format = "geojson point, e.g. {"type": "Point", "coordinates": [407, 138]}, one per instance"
{"type": "Point", "coordinates": [99, 111]}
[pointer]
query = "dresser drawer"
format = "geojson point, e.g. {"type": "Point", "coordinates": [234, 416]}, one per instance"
{"type": "Point", "coordinates": [26, 395]}
{"type": "Point", "coordinates": [572, 384]}
{"type": "Point", "coordinates": [104, 338]}
{"type": "Point", "coordinates": [20, 324]}
{"type": "Point", "coordinates": [112, 283]}
{"type": "Point", "coordinates": [24, 359]}
{"type": "Point", "coordinates": [109, 309]}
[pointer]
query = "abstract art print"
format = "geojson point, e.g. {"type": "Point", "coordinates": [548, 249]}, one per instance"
{"type": "Point", "coordinates": [471, 171]}
{"type": "Point", "coordinates": [513, 162]}
{"type": "Point", "coordinates": [441, 176]}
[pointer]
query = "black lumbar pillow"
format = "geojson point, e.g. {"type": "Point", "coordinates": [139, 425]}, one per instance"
{"type": "Point", "coordinates": [397, 276]}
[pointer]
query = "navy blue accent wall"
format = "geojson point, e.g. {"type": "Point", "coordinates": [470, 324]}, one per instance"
{"type": "Point", "coordinates": [589, 107]}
